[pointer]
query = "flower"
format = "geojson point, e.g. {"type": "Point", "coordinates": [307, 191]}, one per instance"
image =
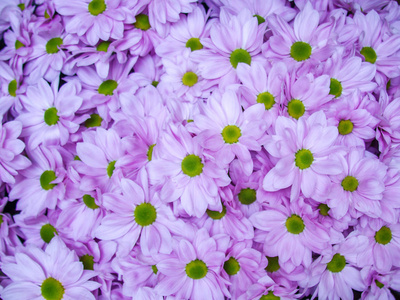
{"type": "Point", "coordinates": [55, 273]}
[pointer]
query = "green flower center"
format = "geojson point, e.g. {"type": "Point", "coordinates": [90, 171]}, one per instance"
{"type": "Point", "coordinates": [260, 19]}
{"type": "Point", "coordinates": [296, 108]}
{"type": "Point", "coordinates": [50, 116]}
{"type": "Point", "coordinates": [267, 99]}
{"type": "Point", "coordinates": [154, 268]}
{"type": "Point", "coordinates": [21, 6]}
{"type": "Point", "coordinates": [231, 266]}
{"type": "Point", "coordinates": [47, 232]}
{"type": "Point", "coordinates": [87, 261]}
{"type": "Point", "coordinates": [1, 219]}
{"type": "Point", "coordinates": [150, 152]}
{"type": "Point", "coordinates": [247, 196]}
{"type": "Point", "coordinates": [216, 215]}
{"type": "Point", "coordinates": [53, 44]}
{"type": "Point", "coordinates": [303, 159]}
{"type": "Point", "coordinates": [231, 134]}
{"type": "Point", "coordinates": [52, 289]}
{"type": "Point", "coordinates": [107, 87]}
{"type": "Point", "coordinates": [46, 14]}
{"type": "Point", "coordinates": [12, 88]}
{"type": "Point", "coordinates": [189, 79]}
{"type": "Point", "coordinates": [103, 46]}
{"type": "Point", "coordinates": [192, 166]}
{"type": "Point", "coordinates": [323, 209]}
{"type": "Point", "coordinates": [337, 263]}
{"type": "Point", "coordinates": [196, 269]}
{"type": "Point", "coordinates": [111, 168]}
{"type": "Point", "coordinates": [300, 51]}
{"type": "Point", "coordinates": [45, 179]}
{"type": "Point", "coordinates": [97, 7]}
{"type": "Point", "coordinates": [194, 44]}
{"type": "Point", "coordinates": [383, 236]}
{"type": "Point", "coordinates": [350, 183]}
{"type": "Point", "coordinates": [155, 83]}
{"type": "Point", "coordinates": [345, 127]}
{"type": "Point", "coordinates": [273, 264]}
{"type": "Point", "coordinates": [18, 45]}
{"type": "Point", "coordinates": [270, 296]}
{"type": "Point", "coordinates": [142, 22]}
{"type": "Point", "coordinates": [89, 201]}
{"type": "Point", "coordinates": [294, 224]}
{"type": "Point", "coordinates": [335, 88]}
{"type": "Point", "coordinates": [379, 284]}
{"type": "Point", "coordinates": [369, 54]}
{"type": "Point", "coordinates": [94, 121]}
{"type": "Point", "coordinates": [145, 214]}
{"type": "Point", "coordinates": [240, 56]}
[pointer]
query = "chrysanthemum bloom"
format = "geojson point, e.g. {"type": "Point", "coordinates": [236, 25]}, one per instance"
{"type": "Point", "coordinates": [186, 35]}
{"type": "Point", "coordinates": [95, 19]}
{"type": "Point", "coordinates": [335, 272]}
{"type": "Point", "coordinates": [55, 273]}
{"type": "Point", "coordinates": [349, 75]}
{"type": "Point", "coordinates": [383, 250]}
{"type": "Point", "coordinates": [266, 289]}
{"type": "Point", "coordinates": [164, 12]}
{"type": "Point", "coordinates": [389, 129]}
{"type": "Point", "coordinates": [80, 217]}
{"type": "Point", "coordinates": [137, 271]}
{"type": "Point", "coordinates": [306, 156]}
{"type": "Point", "coordinates": [233, 40]}
{"type": "Point", "coordinates": [193, 269]}
{"type": "Point", "coordinates": [11, 159]}
{"type": "Point", "coordinates": [376, 44]}
{"type": "Point", "coordinates": [137, 215]}
{"type": "Point", "coordinates": [138, 38]}
{"type": "Point", "coordinates": [98, 159]}
{"type": "Point", "coordinates": [41, 185]}
{"type": "Point", "coordinates": [9, 240]}
{"type": "Point", "coordinates": [105, 93]}
{"type": "Point", "coordinates": [243, 266]}
{"type": "Point", "coordinates": [148, 70]}
{"type": "Point", "coordinates": [260, 8]}
{"type": "Point", "coordinates": [306, 94]}
{"type": "Point", "coordinates": [260, 86]}
{"type": "Point", "coordinates": [354, 121]}
{"type": "Point", "coordinates": [380, 285]}
{"type": "Point", "coordinates": [38, 231]}
{"type": "Point", "coordinates": [359, 186]}
{"type": "Point", "coordinates": [48, 52]}
{"type": "Point", "coordinates": [48, 117]}
{"type": "Point", "coordinates": [182, 171]}
{"type": "Point", "coordinates": [307, 42]}
{"type": "Point", "coordinates": [226, 131]}
{"type": "Point", "coordinates": [182, 78]}
{"type": "Point", "coordinates": [11, 87]}
{"type": "Point", "coordinates": [291, 233]}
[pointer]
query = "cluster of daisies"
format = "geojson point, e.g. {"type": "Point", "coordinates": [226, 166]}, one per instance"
{"type": "Point", "coordinates": [184, 149]}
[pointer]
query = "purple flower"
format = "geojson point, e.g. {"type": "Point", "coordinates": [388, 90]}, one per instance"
{"type": "Point", "coordinates": [193, 269]}
{"type": "Point", "coordinates": [51, 274]}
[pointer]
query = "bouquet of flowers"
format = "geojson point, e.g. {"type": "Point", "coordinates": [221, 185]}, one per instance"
{"type": "Point", "coordinates": [199, 149]}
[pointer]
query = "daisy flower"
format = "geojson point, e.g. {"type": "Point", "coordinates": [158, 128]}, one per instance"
{"type": "Point", "coordinates": [48, 117]}
{"type": "Point", "coordinates": [192, 271]}
{"type": "Point", "coordinates": [305, 155]}
{"type": "Point", "coordinates": [226, 131]}
{"type": "Point", "coordinates": [55, 273]}
{"type": "Point", "coordinates": [183, 171]}
{"type": "Point", "coordinates": [95, 19]}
